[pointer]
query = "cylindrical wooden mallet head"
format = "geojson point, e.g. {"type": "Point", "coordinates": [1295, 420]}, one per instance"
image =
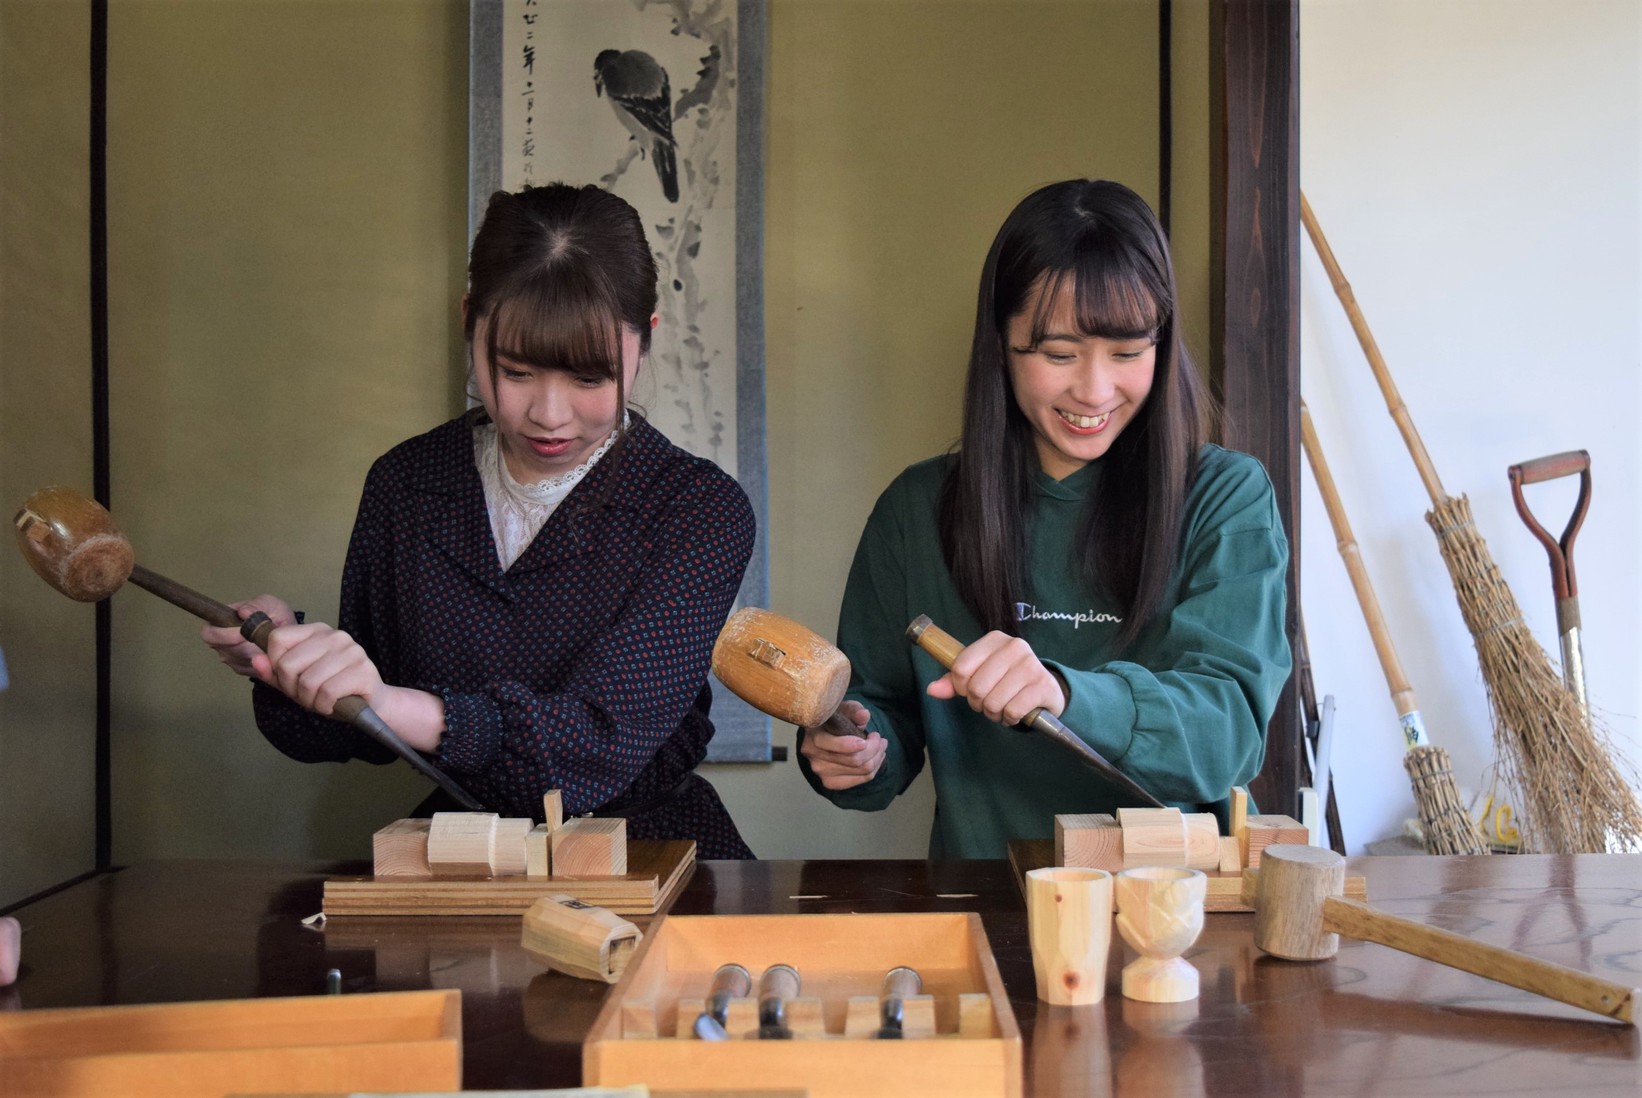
{"type": "Point", "coordinates": [72, 542]}
{"type": "Point", "coordinates": [780, 668]}
{"type": "Point", "coordinates": [1290, 887]}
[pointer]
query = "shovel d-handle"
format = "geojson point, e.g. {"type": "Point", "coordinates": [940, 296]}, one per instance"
{"type": "Point", "coordinates": [1560, 550]}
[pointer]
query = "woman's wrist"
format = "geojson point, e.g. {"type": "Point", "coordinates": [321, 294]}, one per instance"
{"type": "Point", "coordinates": [417, 716]}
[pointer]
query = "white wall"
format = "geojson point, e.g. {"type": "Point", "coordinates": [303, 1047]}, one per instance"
{"type": "Point", "coordinates": [1477, 169]}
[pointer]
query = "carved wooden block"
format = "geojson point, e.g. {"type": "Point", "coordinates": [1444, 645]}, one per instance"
{"type": "Point", "coordinates": [1202, 840]}
{"type": "Point", "coordinates": [1090, 840]}
{"type": "Point", "coordinates": [1264, 831]}
{"type": "Point", "coordinates": [511, 856]}
{"type": "Point", "coordinates": [590, 847]}
{"type": "Point", "coordinates": [401, 849]}
{"type": "Point", "coordinates": [462, 844]}
{"type": "Point", "coordinates": [1152, 836]}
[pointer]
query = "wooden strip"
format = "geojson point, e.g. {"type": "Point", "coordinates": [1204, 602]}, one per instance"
{"type": "Point", "coordinates": [538, 861]}
{"type": "Point", "coordinates": [1238, 827]}
{"type": "Point", "coordinates": [553, 809]}
{"type": "Point", "coordinates": [658, 870]}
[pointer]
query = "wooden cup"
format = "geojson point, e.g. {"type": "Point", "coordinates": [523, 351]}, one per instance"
{"type": "Point", "coordinates": [1160, 914]}
{"type": "Point", "coordinates": [1069, 917]}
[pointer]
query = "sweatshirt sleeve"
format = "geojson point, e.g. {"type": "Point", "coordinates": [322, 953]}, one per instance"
{"type": "Point", "coordinates": [1186, 716]}
{"type": "Point", "coordinates": [871, 625]}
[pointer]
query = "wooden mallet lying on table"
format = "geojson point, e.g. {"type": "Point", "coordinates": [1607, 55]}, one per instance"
{"type": "Point", "coordinates": [74, 545]}
{"type": "Point", "coordinates": [781, 668]}
{"type": "Point", "coordinates": [1300, 915]}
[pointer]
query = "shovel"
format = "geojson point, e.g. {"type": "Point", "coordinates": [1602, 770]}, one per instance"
{"type": "Point", "coordinates": [1561, 553]}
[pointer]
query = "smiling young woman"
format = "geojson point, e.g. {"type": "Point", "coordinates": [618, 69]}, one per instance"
{"type": "Point", "coordinates": [532, 589]}
{"type": "Point", "coordinates": [1097, 555]}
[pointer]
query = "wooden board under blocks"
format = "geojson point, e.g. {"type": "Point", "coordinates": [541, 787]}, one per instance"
{"type": "Point", "coordinates": [388, 1041]}
{"type": "Point", "coordinates": [656, 870]}
{"type": "Point", "coordinates": [1225, 892]}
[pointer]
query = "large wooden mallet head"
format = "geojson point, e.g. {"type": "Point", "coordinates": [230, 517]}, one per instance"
{"type": "Point", "coordinates": [781, 668]}
{"type": "Point", "coordinates": [1299, 914]}
{"type": "Point", "coordinates": [73, 543]}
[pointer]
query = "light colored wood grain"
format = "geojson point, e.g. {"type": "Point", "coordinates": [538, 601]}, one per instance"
{"type": "Point", "coordinates": [553, 809]}
{"type": "Point", "coordinates": [401, 849]}
{"type": "Point", "coordinates": [538, 852]}
{"type": "Point", "coordinates": [657, 870]}
{"type": "Point", "coordinates": [591, 943]}
{"type": "Point", "coordinates": [638, 1021]}
{"type": "Point", "coordinates": [1160, 915]}
{"type": "Point", "coordinates": [390, 1041]}
{"type": "Point", "coordinates": [462, 844]}
{"type": "Point", "coordinates": [975, 1015]}
{"type": "Point", "coordinates": [1202, 841]}
{"type": "Point", "coordinates": [1238, 823]}
{"type": "Point", "coordinates": [1152, 836]}
{"type": "Point", "coordinates": [1092, 840]}
{"type": "Point", "coordinates": [590, 847]}
{"type": "Point", "coordinates": [1231, 855]}
{"type": "Point", "coordinates": [511, 854]}
{"type": "Point", "coordinates": [780, 667]}
{"type": "Point", "coordinates": [1069, 924]}
{"type": "Point", "coordinates": [1268, 830]}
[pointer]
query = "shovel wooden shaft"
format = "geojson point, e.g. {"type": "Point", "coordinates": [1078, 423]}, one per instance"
{"type": "Point", "coordinates": [946, 649]}
{"type": "Point", "coordinates": [1565, 985]}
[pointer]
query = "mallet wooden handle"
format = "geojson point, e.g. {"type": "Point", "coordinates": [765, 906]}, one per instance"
{"type": "Point", "coordinates": [256, 629]}
{"type": "Point", "coordinates": [946, 649]}
{"type": "Point", "coordinates": [1565, 985]}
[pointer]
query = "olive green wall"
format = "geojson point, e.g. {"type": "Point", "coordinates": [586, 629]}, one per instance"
{"type": "Point", "coordinates": [48, 715]}
{"type": "Point", "coordinates": [287, 185]}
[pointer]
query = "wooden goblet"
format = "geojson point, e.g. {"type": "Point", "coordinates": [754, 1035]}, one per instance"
{"type": "Point", "coordinates": [1069, 918]}
{"type": "Point", "coordinates": [1160, 914]}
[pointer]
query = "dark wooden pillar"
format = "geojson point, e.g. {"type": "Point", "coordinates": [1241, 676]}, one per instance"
{"type": "Point", "coordinates": [1256, 318]}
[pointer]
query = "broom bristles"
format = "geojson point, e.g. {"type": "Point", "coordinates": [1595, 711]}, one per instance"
{"type": "Point", "coordinates": [1577, 796]}
{"type": "Point", "coordinates": [1447, 825]}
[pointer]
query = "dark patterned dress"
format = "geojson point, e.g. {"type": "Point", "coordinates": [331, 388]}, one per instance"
{"type": "Point", "coordinates": [582, 667]}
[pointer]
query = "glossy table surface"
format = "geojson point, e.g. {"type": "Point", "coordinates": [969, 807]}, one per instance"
{"type": "Point", "coordinates": [1369, 1022]}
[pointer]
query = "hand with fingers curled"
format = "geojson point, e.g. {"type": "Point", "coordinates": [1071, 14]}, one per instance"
{"type": "Point", "coordinates": [1001, 677]}
{"type": "Point", "coordinates": [231, 647]}
{"type": "Point", "coordinates": [843, 762]}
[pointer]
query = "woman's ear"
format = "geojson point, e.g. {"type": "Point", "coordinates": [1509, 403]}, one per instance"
{"type": "Point", "coordinates": [465, 297]}
{"type": "Point", "coordinates": [655, 318]}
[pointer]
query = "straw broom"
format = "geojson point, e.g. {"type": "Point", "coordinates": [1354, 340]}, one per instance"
{"type": "Point", "coordinates": [1575, 796]}
{"type": "Point", "coordinates": [1447, 825]}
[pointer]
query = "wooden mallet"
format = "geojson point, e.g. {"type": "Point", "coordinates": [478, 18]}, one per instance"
{"type": "Point", "coordinates": [1300, 915]}
{"type": "Point", "coordinates": [74, 545]}
{"type": "Point", "coordinates": [781, 668]}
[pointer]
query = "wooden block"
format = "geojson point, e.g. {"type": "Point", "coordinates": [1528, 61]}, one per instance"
{"type": "Point", "coordinates": [1152, 836]}
{"type": "Point", "coordinates": [638, 1021]}
{"type": "Point", "coordinates": [740, 1019]}
{"type": "Point", "coordinates": [1089, 841]}
{"type": "Point", "coordinates": [585, 941]}
{"type": "Point", "coordinates": [861, 1016]}
{"type": "Point", "coordinates": [806, 1017]}
{"type": "Point", "coordinates": [1264, 831]}
{"type": "Point", "coordinates": [553, 809]}
{"type": "Point", "coordinates": [918, 1016]}
{"type": "Point", "coordinates": [462, 844]}
{"type": "Point", "coordinates": [511, 858]}
{"type": "Point", "coordinates": [1202, 841]}
{"type": "Point", "coordinates": [401, 849]}
{"type": "Point", "coordinates": [1231, 855]}
{"type": "Point", "coordinates": [538, 860]}
{"type": "Point", "coordinates": [975, 1015]}
{"type": "Point", "coordinates": [589, 846]}
{"type": "Point", "coordinates": [1238, 825]}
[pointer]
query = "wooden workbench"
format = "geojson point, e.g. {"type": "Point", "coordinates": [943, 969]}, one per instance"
{"type": "Point", "coordinates": [1371, 1021]}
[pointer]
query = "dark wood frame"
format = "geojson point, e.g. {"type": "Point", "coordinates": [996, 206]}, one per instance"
{"type": "Point", "coordinates": [1256, 308]}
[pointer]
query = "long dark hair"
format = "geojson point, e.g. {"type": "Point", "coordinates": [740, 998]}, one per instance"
{"type": "Point", "coordinates": [1104, 241]}
{"type": "Point", "coordinates": [559, 271]}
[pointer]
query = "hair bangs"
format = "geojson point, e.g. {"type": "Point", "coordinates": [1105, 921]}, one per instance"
{"type": "Point", "coordinates": [560, 322]}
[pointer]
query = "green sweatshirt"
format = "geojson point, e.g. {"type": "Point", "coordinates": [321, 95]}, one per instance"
{"type": "Point", "coordinates": [1184, 713]}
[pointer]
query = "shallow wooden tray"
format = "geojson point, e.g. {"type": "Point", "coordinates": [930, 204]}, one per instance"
{"type": "Point", "coordinates": [656, 871]}
{"type": "Point", "coordinates": [1225, 891]}
{"type": "Point", "coordinates": [643, 1033]}
{"type": "Point", "coordinates": [391, 1041]}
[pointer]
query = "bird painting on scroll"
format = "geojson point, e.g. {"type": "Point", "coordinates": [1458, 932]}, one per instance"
{"type": "Point", "coordinates": [639, 96]}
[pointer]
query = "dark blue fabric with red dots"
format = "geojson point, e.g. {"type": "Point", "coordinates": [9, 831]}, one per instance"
{"type": "Point", "coordinates": [583, 666]}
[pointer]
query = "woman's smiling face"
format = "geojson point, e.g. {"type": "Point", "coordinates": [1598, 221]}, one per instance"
{"type": "Point", "coordinates": [1078, 391]}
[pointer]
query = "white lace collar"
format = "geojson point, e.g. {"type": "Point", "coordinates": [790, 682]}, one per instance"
{"type": "Point", "coordinates": [519, 511]}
